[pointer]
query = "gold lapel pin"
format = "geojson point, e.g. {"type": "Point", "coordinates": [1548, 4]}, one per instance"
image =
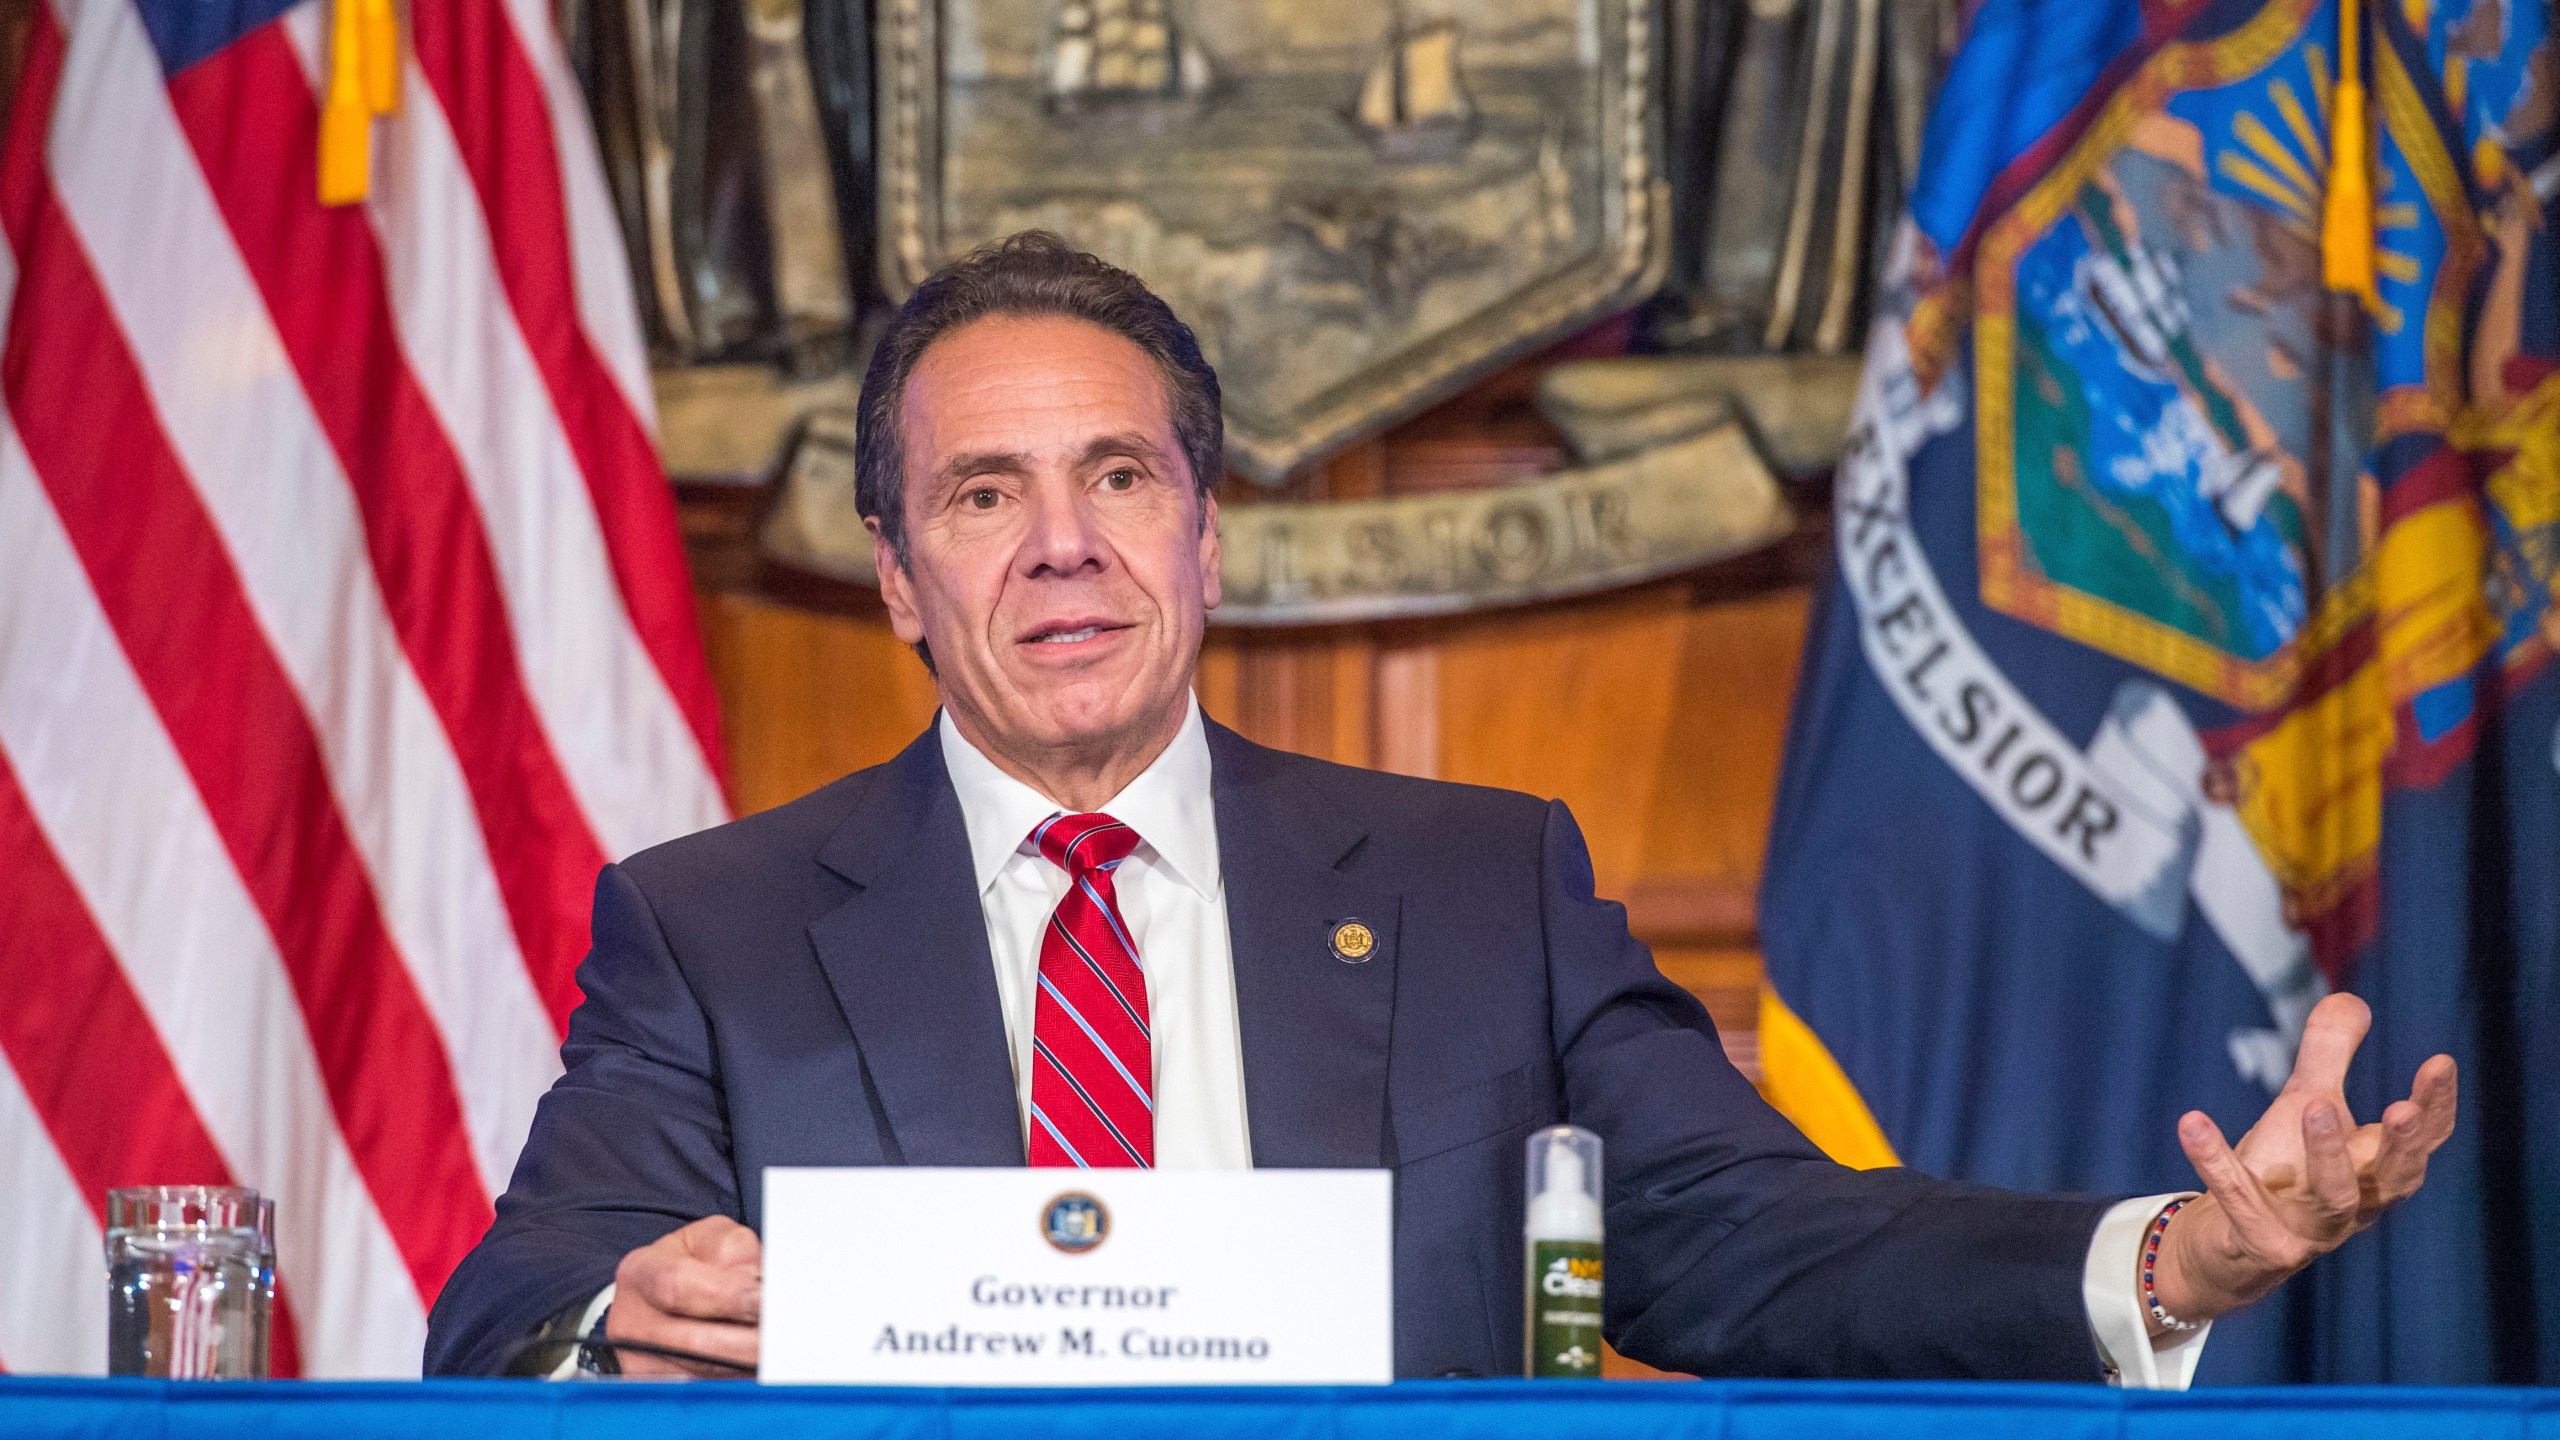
{"type": "Point", "coordinates": [1353, 942]}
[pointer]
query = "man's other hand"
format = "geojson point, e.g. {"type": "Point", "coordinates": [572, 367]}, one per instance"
{"type": "Point", "coordinates": [701, 1289]}
{"type": "Point", "coordinates": [2303, 1179]}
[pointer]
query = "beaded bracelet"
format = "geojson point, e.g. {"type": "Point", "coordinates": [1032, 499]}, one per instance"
{"type": "Point", "coordinates": [2150, 1259]}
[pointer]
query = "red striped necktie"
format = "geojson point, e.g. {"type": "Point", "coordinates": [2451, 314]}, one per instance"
{"type": "Point", "coordinates": [1093, 1074]}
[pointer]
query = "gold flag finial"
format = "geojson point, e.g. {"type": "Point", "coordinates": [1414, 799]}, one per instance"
{"type": "Point", "coordinates": [346, 116]}
{"type": "Point", "coordinates": [379, 33]}
{"type": "Point", "coordinates": [2346, 220]}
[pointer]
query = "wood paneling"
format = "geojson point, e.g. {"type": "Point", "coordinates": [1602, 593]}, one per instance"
{"type": "Point", "coordinates": [1658, 719]}
{"type": "Point", "coordinates": [1657, 712]}
{"type": "Point", "coordinates": [1656, 715]}
{"type": "Point", "coordinates": [1307, 691]}
{"type": "Point", "coordinates": [806, 697]}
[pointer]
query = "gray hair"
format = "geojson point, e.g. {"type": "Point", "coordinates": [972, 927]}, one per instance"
{"type": "Point", "coordinates": [1032, 273]}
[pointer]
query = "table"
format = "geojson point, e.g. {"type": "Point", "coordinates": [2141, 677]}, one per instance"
{"type": "Point", "coordinates": [33, 1408]}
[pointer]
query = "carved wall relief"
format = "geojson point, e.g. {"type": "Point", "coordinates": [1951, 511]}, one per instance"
{"type": "Point", "coordinates": [1667, 478]}
{"type": "Point", "coordinates": [736, 136]}
{"type": "Point", "coordinates": [1794, 127]}
{"type": "Point", "coordinates": [1359, 206]}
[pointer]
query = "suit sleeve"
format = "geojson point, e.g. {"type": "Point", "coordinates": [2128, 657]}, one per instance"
{"type": "Point", "coordinates": [630, 1143]}
{"type": "Point", "coordinates": [1734, 1246]}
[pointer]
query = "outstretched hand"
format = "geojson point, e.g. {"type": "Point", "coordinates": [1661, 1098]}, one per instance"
{"type": "Point", "coordinates": [2303, 1179]}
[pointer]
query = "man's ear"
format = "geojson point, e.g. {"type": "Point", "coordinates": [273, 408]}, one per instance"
{"type": "Point", "coordinates": [895, 592]}
{"type": "Point", "coordinates": [1211, 583]}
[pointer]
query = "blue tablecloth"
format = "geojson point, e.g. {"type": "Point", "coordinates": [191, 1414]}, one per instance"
{"type": "Point", "coordinates": [59, 1409]}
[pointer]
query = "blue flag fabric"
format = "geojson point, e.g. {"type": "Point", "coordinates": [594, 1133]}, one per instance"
{"type": "Point", "coordinates": [2189, 649]}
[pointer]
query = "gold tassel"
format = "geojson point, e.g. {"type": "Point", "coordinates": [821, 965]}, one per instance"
{"type": "Point", "coordinates": [2346, 220]}
{"type": "Point", "coordinates": [381, 35]}
{"type": "Point", "coordinates": [346, 119]}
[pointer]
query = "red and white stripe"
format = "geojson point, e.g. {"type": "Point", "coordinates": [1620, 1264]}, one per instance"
{"type": "Point", "coordinates": [344, 631]}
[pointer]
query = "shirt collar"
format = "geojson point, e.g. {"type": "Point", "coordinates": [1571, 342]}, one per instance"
{"type": "Point", "coordinates": [1169, 805]}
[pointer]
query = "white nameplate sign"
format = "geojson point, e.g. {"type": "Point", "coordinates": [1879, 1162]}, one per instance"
{"type": "Point", "coordinates": [915, 1276]}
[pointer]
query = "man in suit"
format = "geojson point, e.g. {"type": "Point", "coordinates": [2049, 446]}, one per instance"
{"type": "Point", "coordinates": [1077, 923]}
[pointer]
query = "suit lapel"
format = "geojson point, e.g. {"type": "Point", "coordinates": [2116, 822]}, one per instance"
{"type": "Point", "coordinates": [1314, 1026]}
{"type": "Point", "coordinates": [907, 957]}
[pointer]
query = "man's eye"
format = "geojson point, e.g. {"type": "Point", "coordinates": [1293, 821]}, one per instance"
{"type": "Point", "coordinates": [1121, 479]}
{"type": "Point", "coordinates": [983, 498]}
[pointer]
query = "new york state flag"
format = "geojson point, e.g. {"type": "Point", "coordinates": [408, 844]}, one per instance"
{"type": "Point", "coordinates": [2189, 650]}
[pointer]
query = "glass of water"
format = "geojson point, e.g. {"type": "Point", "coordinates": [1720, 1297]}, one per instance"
{"type": "Point", "coordinates": [190, 1282]}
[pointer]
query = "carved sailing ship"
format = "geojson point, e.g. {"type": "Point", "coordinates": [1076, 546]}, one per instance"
{"type": "Point", "coordinates": [1412, 104]}
{"type": "Point", "coordinates": [1130, 57]}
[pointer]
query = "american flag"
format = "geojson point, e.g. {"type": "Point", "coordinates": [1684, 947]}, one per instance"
{"type": "Point", "coordinates": [344, 633]}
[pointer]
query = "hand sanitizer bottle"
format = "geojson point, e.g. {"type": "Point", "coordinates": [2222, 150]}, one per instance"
{"type": "Point", "coordinates": [1563, 1231]}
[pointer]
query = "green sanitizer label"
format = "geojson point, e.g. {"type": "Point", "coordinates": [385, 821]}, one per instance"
{"type": "Point", "coordinates": [1564, 1310]}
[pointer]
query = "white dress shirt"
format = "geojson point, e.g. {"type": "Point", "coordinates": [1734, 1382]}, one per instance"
{"type": "Point", "coordinates": [1173, 899]}
{"type": "Point", "coordinates": [1174, 902]}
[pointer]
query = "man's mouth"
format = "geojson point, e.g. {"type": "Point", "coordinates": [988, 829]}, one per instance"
{"type": "Point", "coordinates": [1068, 632]}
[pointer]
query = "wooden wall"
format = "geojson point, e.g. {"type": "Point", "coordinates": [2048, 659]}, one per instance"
{"type": "Point", "coordinates": [1656, 712]}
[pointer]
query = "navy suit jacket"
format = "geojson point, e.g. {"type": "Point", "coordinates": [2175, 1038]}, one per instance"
{"type": "Point", "coordinates": [812, 986]}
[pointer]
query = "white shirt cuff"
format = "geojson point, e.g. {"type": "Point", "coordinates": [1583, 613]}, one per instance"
{"type": "Point", "coordinates": [567, 1369]}
{"type": "Point", "coordinates": [2111, 1288]}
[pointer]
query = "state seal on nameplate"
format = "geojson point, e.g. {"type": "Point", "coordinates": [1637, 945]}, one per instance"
{"type": "Point", "coordinates": [1074, 1223]}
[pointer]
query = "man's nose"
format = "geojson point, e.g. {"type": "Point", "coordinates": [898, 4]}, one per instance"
{"type": "Point", "coordinates": [1062, 538]}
